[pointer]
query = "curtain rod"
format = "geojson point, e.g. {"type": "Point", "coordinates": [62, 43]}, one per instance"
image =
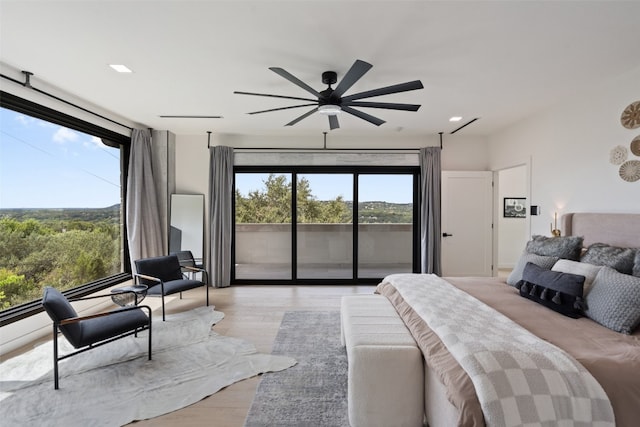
{"type": "Point", "coordinates": [323, 149]}
{"type": "Point", "coordinates": [320, 149]}
{"type": "Point", "coordinates": [27, 84]}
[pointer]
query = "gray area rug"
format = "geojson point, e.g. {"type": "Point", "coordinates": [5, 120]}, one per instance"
{"type": "Point", "coordinates": [314, 391]}
{"type": "Point", "coordinates": [116, 384]}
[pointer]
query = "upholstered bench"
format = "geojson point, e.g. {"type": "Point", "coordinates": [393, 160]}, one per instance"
{"type": "Point", "coordinates": [386, 379]}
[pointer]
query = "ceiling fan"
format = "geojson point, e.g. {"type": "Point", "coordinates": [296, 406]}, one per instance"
{"type": "Point", "coordinates": [331, 101]}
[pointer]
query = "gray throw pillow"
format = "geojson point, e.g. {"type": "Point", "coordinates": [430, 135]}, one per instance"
{"type": "Point", "coordinates": [636, 264]}
{"type": "Point", "coordinates": [545, 262]}
{"type": "Point", "coordinates": [561, 292]}
{"type": "Point", "coordinates": [589, 271]}
{"type": "Point", "coordinates": [614, 301]}
{"type": "Point", "coordinates": [620, 259]}
{"type": "Point", "coordinates": [567, 247]}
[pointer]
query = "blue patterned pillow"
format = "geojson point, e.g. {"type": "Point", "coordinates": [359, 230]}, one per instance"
{"type": "Point", "coordinates": [614, 301]}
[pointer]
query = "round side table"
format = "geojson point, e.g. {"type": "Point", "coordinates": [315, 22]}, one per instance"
{"type": "Point", "coordinates": [129, 295]}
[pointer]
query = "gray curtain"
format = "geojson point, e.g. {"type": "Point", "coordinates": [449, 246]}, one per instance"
{"type": "Point", "coordinates": [430, 205]}
{"type": "Point", "coordinates": [144, 229]}
{"type": "Point", "coordinates": [220, 214]}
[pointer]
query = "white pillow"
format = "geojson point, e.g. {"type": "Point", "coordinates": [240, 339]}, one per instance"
{"type": "Point", "coordinates": [589, 271]}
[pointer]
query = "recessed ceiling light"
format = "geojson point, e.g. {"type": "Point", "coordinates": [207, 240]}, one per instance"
{"type": "Point", "coordinates": [455, 119]}
{"type": "Point", "coordinates": [120, 68]}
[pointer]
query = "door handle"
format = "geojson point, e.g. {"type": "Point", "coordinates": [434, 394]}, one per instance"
{"type": "Point", "coordinates": [446, 235]}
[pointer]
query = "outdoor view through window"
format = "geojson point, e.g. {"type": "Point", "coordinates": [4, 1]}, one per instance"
{"type": "Point", "coordinates": [59, 208]}
{"type": "Point", "coordinates": [324, 225]}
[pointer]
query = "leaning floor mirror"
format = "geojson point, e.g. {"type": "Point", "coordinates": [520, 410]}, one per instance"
{"type": "Point", "coordinates": [186, 231]}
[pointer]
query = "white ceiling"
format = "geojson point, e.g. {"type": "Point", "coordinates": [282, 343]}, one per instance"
{"type": "Point", "coordinates": [500, 61]}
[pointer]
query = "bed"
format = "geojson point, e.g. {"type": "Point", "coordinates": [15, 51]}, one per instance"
{"type": "Point", "coordinates": [609, 357]}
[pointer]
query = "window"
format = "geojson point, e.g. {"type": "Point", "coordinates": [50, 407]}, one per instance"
{"type": "Point", "coordinates": [263, 226]}
{"type": "Point", "coordinates": [324, 225]}
{"type": "Point", "coordinates": [385, 224]}
{"type": "Point", "coordinates": [60, 206]}
{"type": "Point", "coordinates": [301, 225]}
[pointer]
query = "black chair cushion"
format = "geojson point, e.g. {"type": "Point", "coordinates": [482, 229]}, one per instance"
{"type": "Point", "coordinates": [174, 286]}
{"type": "Point", "coordinates": [116, 323]}
{"type": "Point", "coordinates": [165, 268]}
{"type": "Point", "coordinates": [58, 308]}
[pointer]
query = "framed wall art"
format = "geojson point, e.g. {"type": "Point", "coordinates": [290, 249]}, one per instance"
{"type": "Point", "coordinates": [515, 207]}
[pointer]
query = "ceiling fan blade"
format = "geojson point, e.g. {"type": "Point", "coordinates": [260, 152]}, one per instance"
{"type": "Point", "coordinates": [357, 70]}
{"type": "Point", "coordinates": [387, 105]}
{"type": "Point", "coordinates": [281, 108]}
{"type": "Point", "coordinates": [333, 122]}
{"type": "Point", "coordinates": [296, 81]}
{"type": "Point", "coordinates": [402, 87]}
{"type": "Point", "coordinates": [274, 96]}
{"type": "Point", "coordinates": [304, 116]}
{"type": "Point", "coordinates": [364, 116]}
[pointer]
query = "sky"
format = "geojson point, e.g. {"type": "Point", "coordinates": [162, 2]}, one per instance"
{"type": "Point", "coordinates": [43, 165]}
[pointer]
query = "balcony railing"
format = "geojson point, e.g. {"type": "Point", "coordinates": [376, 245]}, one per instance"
{"type": "Point", "coordinates": [263, 251]}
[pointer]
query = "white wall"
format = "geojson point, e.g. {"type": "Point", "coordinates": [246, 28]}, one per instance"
{"type": "Point", "coordinates": [569, 147]}
{"type": "Point", "coordinates": [512, 232]}
{"type": "Point", "coordinates": [192, 156]}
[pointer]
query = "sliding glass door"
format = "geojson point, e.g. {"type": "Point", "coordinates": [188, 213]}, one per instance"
{"type": "Point", "coordinates": [324, 225]}
{"type": "Point", "coordinates": [385, 224]}
{"type": "Point", "coordinates": [262, 226]}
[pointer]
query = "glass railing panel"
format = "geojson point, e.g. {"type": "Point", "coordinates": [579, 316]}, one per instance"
{"type": "Point", "coordinates": [385, 230]}
{"type": "Point", "coordinates": [263, 226]}
{"type": "Point", "coordinates": [324, 226]}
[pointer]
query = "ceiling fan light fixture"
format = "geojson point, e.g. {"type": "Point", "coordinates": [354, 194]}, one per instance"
{"type": "Point", "coordinates": [331, 102]}
{"type": "Point", "coordinates": [329, 109]}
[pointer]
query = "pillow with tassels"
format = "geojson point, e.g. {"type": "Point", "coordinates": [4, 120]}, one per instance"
{"type": "Point", "coordinates": [561, 292]}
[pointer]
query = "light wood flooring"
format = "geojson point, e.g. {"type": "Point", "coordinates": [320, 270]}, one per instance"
{"type": "Point", "coordinates": [253, 313]}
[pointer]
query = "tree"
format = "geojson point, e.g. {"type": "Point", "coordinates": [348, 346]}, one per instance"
{"type": "Point", "coordinates": [273, 204]}
{"type": "Point", "coordinates": [52, 252]}
{"type": "Point", "coordinates": [12, 288]}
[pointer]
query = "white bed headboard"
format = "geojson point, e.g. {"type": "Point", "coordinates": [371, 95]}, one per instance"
{"type": "Point", "coordinates": [617, 229]}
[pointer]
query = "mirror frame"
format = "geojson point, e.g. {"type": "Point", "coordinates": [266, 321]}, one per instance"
{"type": "Point", "coordinates": [186, 231]}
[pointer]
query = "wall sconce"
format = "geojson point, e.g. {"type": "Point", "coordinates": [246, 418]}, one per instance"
{"type": "Point", "coordinates": [555, 232]}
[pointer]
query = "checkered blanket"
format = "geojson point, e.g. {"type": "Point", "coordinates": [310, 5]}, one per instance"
{"type": "Point", "coordinates": [520, 379]}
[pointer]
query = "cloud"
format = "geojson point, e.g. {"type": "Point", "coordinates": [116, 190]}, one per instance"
{"type": "Point", "coordinates": [63, 135]}
{"type": "Point", "coordinates": [97, 142]}
{"type": "Point", "coordinates": [23, 120]}
{"type": "Point", "coordinates": [29, 121]}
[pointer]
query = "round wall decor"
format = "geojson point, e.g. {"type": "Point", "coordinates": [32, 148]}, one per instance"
{"type": "Point", "coordinates": [635, 146]}
{"type": "Point", "coordinates": [631, 116]}
{"type": "Point", "coordinates": [630, 171]}
{"type": "Point", "coordinates": [618, 155]}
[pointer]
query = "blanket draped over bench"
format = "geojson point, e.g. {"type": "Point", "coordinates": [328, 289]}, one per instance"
{"type": "Point", "coordinates": [519, 378]}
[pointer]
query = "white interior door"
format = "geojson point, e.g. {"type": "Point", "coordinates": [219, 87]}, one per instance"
{"type": "Point", "coordinates": [467, 216]}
